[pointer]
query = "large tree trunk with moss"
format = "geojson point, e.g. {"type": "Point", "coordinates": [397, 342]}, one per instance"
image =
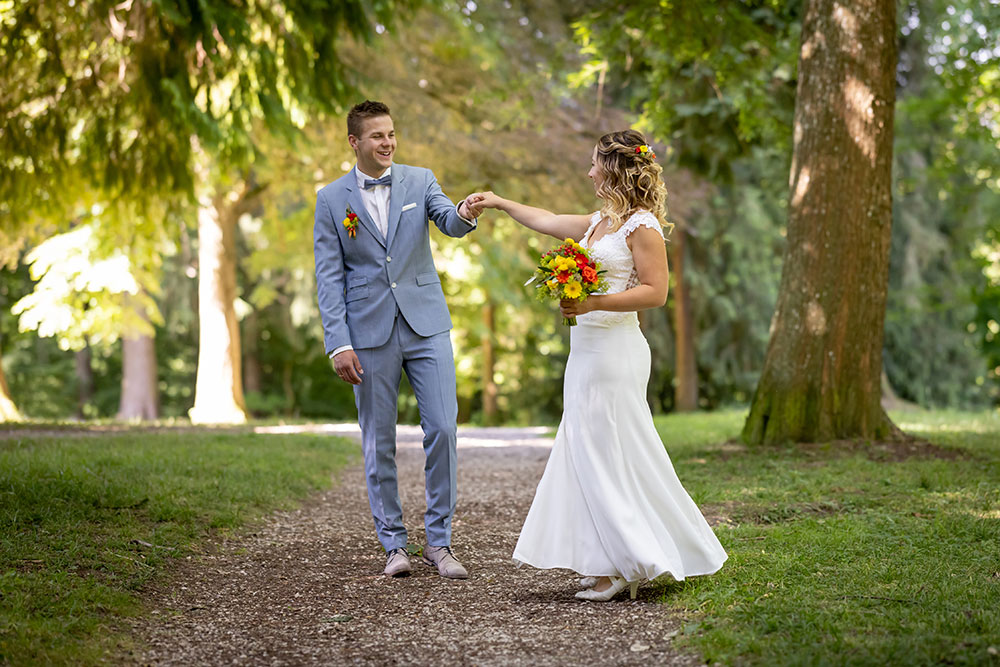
{"type": "Point", "coordinates": [218, 397]}
{"type": "Point", "coordinates": [824, 361]}
{"type": "Point", "coordinates": [686, 374]}
{"type": "Point", "coordinates": [8, 410]}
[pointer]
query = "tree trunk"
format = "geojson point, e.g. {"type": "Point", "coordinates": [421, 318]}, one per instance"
{"type": "Point", "coordinates": [8, 410]}
{"type": "Point", "coordinates": [218, 395]}
{"type": "Point", "coordinates": [140, 399]}
{"type": "Point", "coordinates": [252, 374]}
{"type": "Point", "coordinates": [821, 375]}
{"type": "Point", "coordinates": [84, 381]}
{"type": "Point", "coordinates": [490, 391]}
{"type": "Point", "coordinates": [686, 387]}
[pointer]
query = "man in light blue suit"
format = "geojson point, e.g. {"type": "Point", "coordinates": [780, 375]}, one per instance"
{"type": "Point", "coordinates": [383, 313]}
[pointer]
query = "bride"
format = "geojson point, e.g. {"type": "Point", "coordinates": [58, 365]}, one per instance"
{"type": "Point", "coordinates": [609, 505]}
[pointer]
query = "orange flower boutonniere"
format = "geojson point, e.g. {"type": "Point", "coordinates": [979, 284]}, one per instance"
{"type": "Point", "coordinates": [351, 223]}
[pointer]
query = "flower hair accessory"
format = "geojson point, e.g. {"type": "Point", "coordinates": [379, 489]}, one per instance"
{"type": "Point", "coordinates": [645, 149]}
{"type": "Point", "coordinates": [351, 223]}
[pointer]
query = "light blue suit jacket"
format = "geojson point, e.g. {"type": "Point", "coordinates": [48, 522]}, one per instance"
{"type": "Point", "coordinates": [361, 280]}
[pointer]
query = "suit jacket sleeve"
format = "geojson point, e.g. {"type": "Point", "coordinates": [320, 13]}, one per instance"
{"type": "Point", "coordinates": [443, 212]}
{"type": "Point", "coordinates": [330, 277]}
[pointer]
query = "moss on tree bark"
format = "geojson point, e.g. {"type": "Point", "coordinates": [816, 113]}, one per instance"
{"type": "Point", "coordinates": [821, 377]}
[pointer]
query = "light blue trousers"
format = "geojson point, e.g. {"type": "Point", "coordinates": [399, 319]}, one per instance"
{"type": "Point", "coordinates": [430, 367]}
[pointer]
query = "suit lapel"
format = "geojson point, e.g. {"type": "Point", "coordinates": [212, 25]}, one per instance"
{"type": "Point", "coordinates": [358, 206]}
{"type": "Point", "coordinates": [397, 195]}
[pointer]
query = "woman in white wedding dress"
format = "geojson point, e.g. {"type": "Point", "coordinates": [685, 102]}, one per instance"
{"type": "Point", "coordinates": [609, 505]}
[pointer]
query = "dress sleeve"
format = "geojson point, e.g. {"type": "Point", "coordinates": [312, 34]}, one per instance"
{"type": "Point", "coordinates": [642, 219]}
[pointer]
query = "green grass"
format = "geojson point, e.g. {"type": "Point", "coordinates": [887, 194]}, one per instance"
{"type": "Point", "coordinates": [86, 521]}
{"type": "Point", "coordinates": [845, 554]}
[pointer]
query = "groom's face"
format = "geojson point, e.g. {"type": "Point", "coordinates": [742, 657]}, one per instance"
{"type": "Point", "coordinates": [376, 145]}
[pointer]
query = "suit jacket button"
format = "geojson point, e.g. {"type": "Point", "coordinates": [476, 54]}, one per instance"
{"type": "Point", "coordinates": [393, 286]}
{"type": "Point", "coordinates": [388, 259]}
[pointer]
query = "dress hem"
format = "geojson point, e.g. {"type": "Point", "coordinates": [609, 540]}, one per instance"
{"type": "Point", "coordinates": [518, 563]}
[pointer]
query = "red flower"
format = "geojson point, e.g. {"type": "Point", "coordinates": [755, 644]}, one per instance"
{"type": "Point", "coordinates": [563, 277]}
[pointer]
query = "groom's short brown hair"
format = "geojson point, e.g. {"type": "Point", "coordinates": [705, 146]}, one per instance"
{"type": "Point", "coordinates": [359, 113]}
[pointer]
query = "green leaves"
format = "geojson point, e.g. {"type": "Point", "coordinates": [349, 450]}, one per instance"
{"type": "Point", "coordinates": [711, 79]}
{"type": "Point", "coordinates": [82, 297]}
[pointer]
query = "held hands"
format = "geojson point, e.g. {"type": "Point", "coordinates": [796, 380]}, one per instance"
{"type": "Point", "coordinates": [348, 367]}
{"type": "Point", "coordinates": [477, 201]}
{"type": "Point", "coordinates": [468, 211]}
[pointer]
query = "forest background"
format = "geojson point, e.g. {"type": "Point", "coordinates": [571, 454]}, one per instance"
{"type": "Point", "coordinates": [99, 303]}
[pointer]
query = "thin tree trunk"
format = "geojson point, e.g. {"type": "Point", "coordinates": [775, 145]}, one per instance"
{"type": "Point", "coordinates": [218, 397]}
{"type": "Point", "coordinates": [821, 375]}
{"type": "Point", "coordinates": [490, 390]}
{"type": "Point", "coordinates": [252, 375]}
{"type": "Point", "coordinates": [140, 399]}
{"type": "Point", "coordinates": [84, 381]}
{"type": "Point", "coordinates": [686, 387]}
{"type": "Point", "coordinates": [8, 410]}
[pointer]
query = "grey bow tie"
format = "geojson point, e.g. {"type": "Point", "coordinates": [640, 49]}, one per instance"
{"type": "Point", "coordinates": [372, 182]}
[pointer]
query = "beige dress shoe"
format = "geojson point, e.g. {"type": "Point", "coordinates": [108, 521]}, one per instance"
{"type": "Point", "coordinates": [397, 563]}
{"type": "Point", "coordinates": [445, 562]}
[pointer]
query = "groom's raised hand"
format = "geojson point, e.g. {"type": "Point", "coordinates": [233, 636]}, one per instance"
{"type": "Point", "coordinates": [348, 367]}
{"type": "Point", "coordinates": [472, 210]}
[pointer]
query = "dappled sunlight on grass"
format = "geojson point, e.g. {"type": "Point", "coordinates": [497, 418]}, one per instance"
{"type": "Point", "coordinates": [838, 550]}
{"type": "Point", "coordinates": [947, 421]}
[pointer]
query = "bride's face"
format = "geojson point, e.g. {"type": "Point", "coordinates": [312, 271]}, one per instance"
{"type": "Point", "coordinates": [596, 174]}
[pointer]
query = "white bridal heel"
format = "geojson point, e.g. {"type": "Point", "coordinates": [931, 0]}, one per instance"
{"type": "Point", "coordinates": [618, 584]}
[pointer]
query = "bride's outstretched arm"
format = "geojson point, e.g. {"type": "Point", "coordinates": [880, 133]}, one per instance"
{"type": "Point", "coordinates": [538, 219]}
{"type": "Point", "coordinates": [650, 256]}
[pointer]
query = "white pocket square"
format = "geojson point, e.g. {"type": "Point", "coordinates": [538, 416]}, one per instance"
{"type": "Point", "coordinates": [409, 206]}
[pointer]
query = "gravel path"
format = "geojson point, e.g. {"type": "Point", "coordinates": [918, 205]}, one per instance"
{"type": "Point", "coordinates": [307, 588]}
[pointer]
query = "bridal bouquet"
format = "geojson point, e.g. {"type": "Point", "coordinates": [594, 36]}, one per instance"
{"type": "Point", "coordinates": [567, 272]}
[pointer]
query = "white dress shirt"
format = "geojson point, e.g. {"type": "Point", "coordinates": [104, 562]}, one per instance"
{"type": "Point", "coordinates": [376, 200]}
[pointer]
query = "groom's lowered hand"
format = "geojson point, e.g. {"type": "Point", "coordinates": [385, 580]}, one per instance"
{"type": "Point", "coordinates": [348, 367]}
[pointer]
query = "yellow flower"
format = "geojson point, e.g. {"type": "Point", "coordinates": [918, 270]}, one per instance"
{"type": "Point", "coordinates": [573, 290]}
{"type": "Point", "coordinates": [553, 284]}
{"type": "Point", "coordinates": [565, 264]}
{"type": "Point", "coordinates": [569, 241]}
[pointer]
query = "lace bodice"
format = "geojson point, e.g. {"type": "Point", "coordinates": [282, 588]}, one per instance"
{"type": "Point", "coordinates": [615, 257]}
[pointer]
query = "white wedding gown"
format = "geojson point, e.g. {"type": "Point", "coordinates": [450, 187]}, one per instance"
{"type": "Point", "coordinates": [609, 502]}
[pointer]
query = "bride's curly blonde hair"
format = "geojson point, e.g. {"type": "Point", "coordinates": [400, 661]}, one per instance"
{"type": "Point", "coordinates": [632, 179]}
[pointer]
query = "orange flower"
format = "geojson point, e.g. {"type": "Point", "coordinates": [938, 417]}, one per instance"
{"type": "Point", "coordinates": [589, 274]}
{"type": "Point", "coordinates": [563, 277]}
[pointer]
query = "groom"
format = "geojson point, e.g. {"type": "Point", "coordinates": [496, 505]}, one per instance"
{"type": "Point", "coordinates": [384, 312]}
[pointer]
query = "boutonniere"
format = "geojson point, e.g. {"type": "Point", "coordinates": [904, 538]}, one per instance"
{"type": "Point", "coordinates": [351, 223]}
